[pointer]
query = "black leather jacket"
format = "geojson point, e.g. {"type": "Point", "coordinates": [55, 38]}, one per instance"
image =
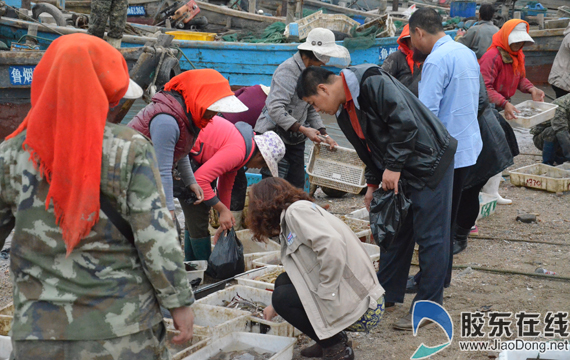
{"type": "Point", "coordinates": [495, 155]}
{"type": "Point", "coordinates": [401, 134]}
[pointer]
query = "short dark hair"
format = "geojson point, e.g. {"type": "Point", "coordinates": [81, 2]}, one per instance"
{"type": "Point", "coordinates": [426, 19]}
{"type": "Point", "coordinates": [308, 54]}
{"type": "Point", "coordinates": [486, 12]}
{"type": "Point", "coordinates": [310, 79]}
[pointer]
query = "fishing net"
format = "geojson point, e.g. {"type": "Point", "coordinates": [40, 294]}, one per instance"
{"type": "Point", "coordinates": [361, 40]}
{"type": "Point", "coordinates": [307, 12]}
{"type": "Point", "coordinates": [273, 34]}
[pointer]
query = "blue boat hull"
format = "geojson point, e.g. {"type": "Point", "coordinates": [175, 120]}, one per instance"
{"type": "Point", "coordinates": [243, 64]}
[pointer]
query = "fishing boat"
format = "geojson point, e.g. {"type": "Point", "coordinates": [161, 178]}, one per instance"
{"type": "Point", "coordinates": [151, 65]}
{"type": "Point", "coordinates": [540, 55]}
{"type": "Point", "coordinates": [243, 64]}
{"type": "Point", "coordinates": [147, 12]}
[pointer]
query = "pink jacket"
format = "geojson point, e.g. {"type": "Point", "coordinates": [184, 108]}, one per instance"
{"type": "Point", "coordinates": [500, 78]}
{"type": "Point", "coordinates": [220, 150]}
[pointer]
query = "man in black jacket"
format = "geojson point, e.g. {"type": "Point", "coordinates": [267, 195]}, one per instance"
{"type": "Point", "coordinates": [397, 137]}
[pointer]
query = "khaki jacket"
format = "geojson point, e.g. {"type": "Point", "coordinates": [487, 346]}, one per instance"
{"type": "Point", "coordinates": [328, 266]}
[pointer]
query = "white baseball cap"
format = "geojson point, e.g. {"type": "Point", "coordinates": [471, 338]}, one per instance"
{"type": "Point", "coordinates": [228, 104]}
{"type": "Point", "coordinates": [520, 34]}
{"type": "Point", "coordinates": [321, 42]}
{"type": "Point", "coordinates": [272, 149]}
{"type": "Point", "coordinates": [134, 91]}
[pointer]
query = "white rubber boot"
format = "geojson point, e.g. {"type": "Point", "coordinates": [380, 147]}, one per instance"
{"type": "Point", "coordinates": [492, 188]}
{"type": "Point", "coordinates": [238, 215]}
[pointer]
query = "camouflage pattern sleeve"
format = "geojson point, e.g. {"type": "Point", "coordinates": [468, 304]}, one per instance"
{"type": "Point", "coordinates": [7, 219]}
{"type": "Point", "coordinates": [155, 233]}
{"type": "Point", "coordinates": [561, 118]}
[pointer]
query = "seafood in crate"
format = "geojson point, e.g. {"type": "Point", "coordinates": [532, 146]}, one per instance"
{"type": "Point", "coordinates": [247, 346]}
{"type": "Point", "coordinates": [263, 279]}
{"type": "Point", "coordinates": [253, 299]}
{"type": "Point", "coordinates": [271, 276]}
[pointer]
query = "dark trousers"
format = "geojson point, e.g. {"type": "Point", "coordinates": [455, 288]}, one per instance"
{"type": "Point", "coordinates": [197, 219]}
{"type": "Point", "coordinates": [286, 302]}
{"type": "Point", "coordinates": [428, 225]}
{"type": "Point", "coordinates": [469, 207]}
{"type": "Point", "coordinates": [459, 177]}
{"type": "Point", "coordinates": [239, 191]}
{"type": "Point", "coordinates": [559, 92]}
{"type": "Point", "coordinates": [292, 166]}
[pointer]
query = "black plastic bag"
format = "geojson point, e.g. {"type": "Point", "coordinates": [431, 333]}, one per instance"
{"type": "Point", "coordinates": [388, 211]}
{"type": "Point", "coordinates": [227, 259]}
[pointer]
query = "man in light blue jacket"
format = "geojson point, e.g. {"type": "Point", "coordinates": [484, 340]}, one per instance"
{"type": "Point", "coordinates": [450, 89]}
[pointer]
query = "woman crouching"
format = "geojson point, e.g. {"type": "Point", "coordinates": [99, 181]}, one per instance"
{"type": "Point", "coordinates": [330, 285]}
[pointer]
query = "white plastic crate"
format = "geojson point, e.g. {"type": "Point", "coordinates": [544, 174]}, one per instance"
{"type": "Point", "coordinates": [541, 176]}
{"type": "Point", "coordinates": [281, 346]}
{"type": "Point", "coordinates": [547, 112]}
{"type": "Point", "coordinates": [339, 169]}
{"type": "Point", "coordinates": [360, 214]}
{"type": "Point", "coordinates": [271, 259]}
{"type": "Point", "coordinates": [5, 347]}
{"type": "Point", "coordinates": [253, 249]}
{"type": "Point", "coordinates": [374, 252]}
{"type": "Point", "coordinates": [7, 309]}
{"type": "Point", "coordinates": [487, 205]}
{"type": "Point", "coordinates": [565, 166]}
{"type": "Point", "coordinates": [258, 296]}
{"type": "Point", "coordinates": [250, 279]}
{"type": "Point", "coordinates": [360, 227]}
{"type": "Point", "coordinates": [179, 351]}
{"type": "Point", "coordinates": [199, 273]}
{"type": "Point", "coordinates": [215, 321]}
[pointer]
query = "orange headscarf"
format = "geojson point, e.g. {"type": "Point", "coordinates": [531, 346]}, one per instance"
{"type": "Point", "coordinates": [73, 85]}
{"type": "Point", "coordinates": [406, 50]}
{"type": "Point", "coordinates": [200, 89]}
{"type": "Point", "coordinates": [501, 39]}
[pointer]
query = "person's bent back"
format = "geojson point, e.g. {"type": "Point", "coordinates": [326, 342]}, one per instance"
{"type": "Point", "coordinates": [81, 288]}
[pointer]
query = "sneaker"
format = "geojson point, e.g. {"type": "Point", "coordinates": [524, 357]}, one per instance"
{"type": "Point", "coordinates": [474, 230]}
{"type": "Point", "coordinates": [405, 323]}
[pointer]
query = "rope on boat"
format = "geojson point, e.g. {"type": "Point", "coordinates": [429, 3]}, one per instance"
{"type": "Point", "coordinates": [186, 57]}
{"type": "Point", "coordinates": [34, 20]}
{"type": "Point", "coordinates": [35, 37]}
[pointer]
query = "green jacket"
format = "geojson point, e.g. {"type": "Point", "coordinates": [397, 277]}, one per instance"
{"type": "Point", "coordinates": [106, 288]}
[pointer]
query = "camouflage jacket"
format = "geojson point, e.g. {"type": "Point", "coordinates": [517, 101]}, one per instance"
{"type": "Point", "coordinates": [561, 119]}
{"type": "Point", "coordinates": [106, 288]}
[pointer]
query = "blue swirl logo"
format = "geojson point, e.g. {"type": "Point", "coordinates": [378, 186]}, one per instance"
{"type": "Point", "coordinates": [429, 310]}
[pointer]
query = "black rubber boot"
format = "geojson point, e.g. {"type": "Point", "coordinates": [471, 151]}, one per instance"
{"type": "Point", "coordinates": [460, 239]}
{"type": "Point", "coordinates": [340, 351]}
{"type": "Point", "coordinates": [316, 351]}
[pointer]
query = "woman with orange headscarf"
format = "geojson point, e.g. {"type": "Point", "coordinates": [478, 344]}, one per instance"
{"type": "Point", "coordinates": [173, 121]}
{"type": "Point", "coordinates": [85, 285]}
{"type": "Point", "coordinates": [503, 67]}
{"type": "Point", "coordinates": [402, 65]}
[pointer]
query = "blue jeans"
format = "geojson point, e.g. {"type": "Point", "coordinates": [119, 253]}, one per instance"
{"type": "Point", "coordinates": [428, 224]}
